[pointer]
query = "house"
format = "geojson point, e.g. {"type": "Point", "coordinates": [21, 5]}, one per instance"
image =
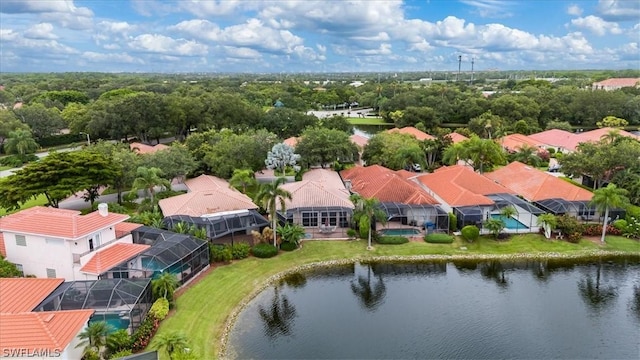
{"type": "Point", "coordinates": [615, 84]}
{"type": "Point", "coordinates": [404, 201]}
{"type": "Point", "coordinates": [598, 134]}
{"type": "Point", "coordinates": [320, 203]}
{"type": "Point", "coordinates": [544, 190]}
{"type": "Point", "coordinates": [59, 243]}
{"type": "Point", "coordinates": [360, 142]}
{"type": "Point", "coordinates": [560, 140]}
{"type": "Point", "coordinates": [457, 138]}
{"type": "Point", "coordinates": [515, 142]}
{"type": "Point", "coordinates": [292, 141]}
{"type": "Point", "coordinates": [43, 335]}
{"type": "Point", "coordinates": [418, 134]}
{"type": "Point", "coordinates": [227, 214]}
{"type": "Point", "coordinates": [474, 198]}
{"type": "Point", "coordinates": [147, 149]}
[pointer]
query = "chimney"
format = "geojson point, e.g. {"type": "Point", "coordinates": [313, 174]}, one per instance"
{"type": "Point", "coordinates": [347, 184]}
{"type": "Point", "coordinates": [103, 209]}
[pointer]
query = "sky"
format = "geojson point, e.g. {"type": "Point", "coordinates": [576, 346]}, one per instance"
{"type": "Point", "coordinates": [256, 36]}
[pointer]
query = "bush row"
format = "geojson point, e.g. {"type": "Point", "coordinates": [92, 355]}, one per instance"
{"type": "Point", "coordinates": [391, 240]}
{"type": "Point", "coordinates": [438, 238]}
{"type": "Point", "coordinates": [264, 250]}
{"type": "Point", "coordinates": [226, 253]}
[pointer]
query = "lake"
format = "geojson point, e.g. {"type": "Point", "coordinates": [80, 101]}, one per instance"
{"type": "Point", "coordinates": [459, 310]}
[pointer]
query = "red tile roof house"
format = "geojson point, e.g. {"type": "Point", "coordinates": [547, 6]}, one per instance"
{"type": "Point", "coordinates": [212, 198]}
{"type": "Point", "coordinates": [567, 142]}
{"type": "Point", "coordinates": [544, 190]}
{"type": "Point", "coordinates": [418, 134]}
{"type": "Point", "coordinates": [456, 138]}
{"type": "Point", "coordinates": [404, 201]}
{"type": "Point", "coordinates": [42, 335]}
{"type": "Point", "coordinates": [320, 203]}
{"type": "Point", "coordinates": [514, 142]}
{"type": "Point", "coordinates": [474, 198]}
{"type": "Point", "coordinates": [60, 243]}
{"type": "Point", "coordinates": [147, 149]}
{"type": "Point", "coordinates": [616, 83]}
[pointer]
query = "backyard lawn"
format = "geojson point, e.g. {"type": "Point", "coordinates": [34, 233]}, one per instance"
{"type": "Point", "coordinates": [203, 309]}
{"type": "Point", "coordinates": [39, 200]}
{"type": "Point", "coordinates": [368, 121]}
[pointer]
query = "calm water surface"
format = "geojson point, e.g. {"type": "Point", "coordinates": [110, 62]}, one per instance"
{"type": "Point", "coordinates": [461, 310]}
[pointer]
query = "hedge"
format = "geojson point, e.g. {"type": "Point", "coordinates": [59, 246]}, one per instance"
{"type": "Point", "coordinates": [438, 238]}
{"type": "Point", "coordinates": [264, 250]}
{"type": "Point", "coordinates": [392, 240]}
{"type": "Point", "coordinates": [160, 308]}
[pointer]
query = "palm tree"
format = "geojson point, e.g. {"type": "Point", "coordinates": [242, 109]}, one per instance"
{"type": "Point", "coordinates": [291, 233]}
{"type": "Point", "coordinates": [94, 336]}
{"type": "Point", "coordinates": [368, 209]}
{"type": "Point", "coordinates": [268, 196]}
{"type": "Point", "coordinates": [172, 343]}
{"type": "Point", "coordinates": [607, 198]}
{"type": "Point", "coordinates": [495, 226]}
{"type": "Point", "coordinates": [148, 179]}
{"type": "Point", "coordinates": [21, 143]}
{"type": "Point", "coordinates": [181, 228]}
{"type": "Point", "coordinates": [508, 212]}
{"type": "Point", "coordinates": [164, 285]}
{"type": "Point", "coordinates": [453, 153]}
{"type": "Point", "coordinates": [241, 179]}
{"type": "Point", "coordinates": [548, 222]}
{"type": "Point", "coordinates": [483, 153]}
{"type": "Point", "coordinates": [527, 155]}
{"type": "Point", "coordinates": [118, 340]}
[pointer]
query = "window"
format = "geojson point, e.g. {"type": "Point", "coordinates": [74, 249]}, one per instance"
{"type": "Point", "coordinates": [51, 273]}
{"type": "Point", "coordinates": [90, 244]}
{"type": "Point", "coordinates": [309, 219]}
{"type": "Point", "coordinates": [21, 240]}
{"type": "Point", "coordinates": [330, 218]}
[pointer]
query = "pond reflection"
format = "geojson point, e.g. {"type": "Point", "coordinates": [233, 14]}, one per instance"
{"type": "Point", "coordinates": [370, 294]}
{"type": "Point", "coordinates": [495, 270]}
{"type": "Point", "coordinates": [278, 317]}
{"type": "Point", "coordinates": [595, 294]}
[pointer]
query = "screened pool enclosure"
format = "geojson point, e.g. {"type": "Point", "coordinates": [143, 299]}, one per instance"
{"type": "Point", "coordinates": [525, 219]}
{"type": "Point", "coordinates": [121, 303]}
{"type": "Point", "coordinates": [425, 217]}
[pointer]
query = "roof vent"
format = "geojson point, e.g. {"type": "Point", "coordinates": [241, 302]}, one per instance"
{"type": "Point", "coordinates": [103, 209]}
{"type": "Point", "coordinates": [347, 184]}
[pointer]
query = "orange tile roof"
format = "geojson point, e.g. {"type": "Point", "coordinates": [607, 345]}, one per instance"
{"type": "Point", "coordinates": [319, 187]}
{"type": "Point", "coordinates": [420, 135]}
{"type": "Point", "coordinates": [3, 249]}
{"type": "Point", "coordinates": [459, 185]}
{"type": "Point", "coordinates": [556, 137]}
{"type": "Point", "coordinates": [126, 227]}
{"type": "Point", "coordinates": [359, 140]}
{"type": "Point", "coordinates": [597, 134]}
{"type": "Point", "coordinates": [292, 141]}
{"type": "Point", "coordinates": [147, 149]}
{"type": "Point", "coordinates": [515, 142]}
{"type": "Point", "coordinates": [24, 294]}
{"type": "Point", "coordinates": [386, 185]}
{"type": "Point", "coordinates": [208, 194]}
{"type": "Point", "coordinates": [405, 174]}
{"type": "Point", "coordinates": [456, 138]}
{"type": "Point", "coordinates": [105, 259]}
{"type": "Point", "coordinates": [45, 331]}
{"type": "Point", "coordinates": [618, 82]}
{"type": "Point", "coordinates": [61, 223]}
{"type": "Point", "coordinates": [536, 185]}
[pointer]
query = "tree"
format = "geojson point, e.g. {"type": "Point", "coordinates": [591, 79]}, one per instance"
{"type": "Point", "coordinates": [94, 336]}
{"type": "Point", "coordinates": [291, 233]}
{"type": "Point", "coordinates": [548, 223]}
{"type": "Point", "coordinates": [242, 178]}
{"type": "Point", "coordinates": [322, 146]}
{"type": "Point", "coordinates": [8, 269]}
{"type": "Point", "coordinates": [482, 153]}
{"type": "Point", "coordinates": [286, 122]}
{"type": "Point", "coordinates": [42, 121]}
{"type": "Point", "coordinates": [8, 123]}
{"type": "Point", "coordinates": [148, 179]}
{"type": "Point", "coordinates": [269, 195]}
{"type": "Point", "coordinates": [508, 212]}
{"type": "Point", "coordinates": [370, 210]}
{"type": "Point", "coordinates": [174, 162]}
{"type": "Point", "coordinates": [172, 343]}
{"type": "Point", "coordinates": [561, 125]}
{"type": "Point", "coordinates": [337, 123]}
{"type": "Point", "coordinates": [527, 155]}
{"type": "Point", "coordinates": [21, 143]}
{"type": "Point", "coordinates": [164, 285]}
{"type": "Point", "coordinates": [281, 156]}
{"type": "Point", "coordinates": [495, 226]}
{"type": "Point", "coordinates": [607, 198]}
{"type": "Point", "coordinates": [118, 340]}
{"type": "Point", "coordinates": [394, 150]}
{"type": "Point", "coordinates": [612, 121]}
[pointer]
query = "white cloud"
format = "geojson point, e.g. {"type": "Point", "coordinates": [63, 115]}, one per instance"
{"type": "Point", "coordinates": [62, 12]}
{"type": "Point", "coordinates": [381, 36]}
{"type": "Point", "coordinates": [40, 31]}
{"type": "Point", "coordinates": [242, 53]}
{"type": "Point", "coordinates": [161, 44]}
{"type": "Point", "coordinates": [110, 57]}
{"type": "Point", "coordinates": [8, 35]}
{"type": "Point", "coordinates": [574, 10]}
{"type": "Point", "coordinates": [211, 7]}
{"type": "Point", "coordinates": [618, 10]}
{"type": "Point", "coordinates": [490, 8]}
{"type": "Point", "coordinates": [596, 25]}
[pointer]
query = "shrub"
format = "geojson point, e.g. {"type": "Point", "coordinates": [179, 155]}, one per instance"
{"type": "Point", "coordinates": [113, 207]}
{"type": "Point", "coordinates": [438, 238]}
{"type": "Point", "coordinates": [352, 233]}
{"type": "Point", "coordinates": [264, 250]}
{"type": "Point", "coordinates": [574, 237]}
{"type": "Point", "coordinates": [220, 253]}
{"type": "Point", "coordinates": [568, 225]}
{"type": "Point", "coordinates": [11, 160]}
{"type": "Point", "coordinates": [121, 354]}
{"type": "Point", "coordinates": [470, 233]}
{"type": "Point", "coordinates": [391, 240]}
{"type": "Point", "coordinates": [596, 230]}
{"type": "Point", "coordinates": [160, 308]}
{"type": "Point", "coordinates": [144, 333]}
{"type": "Point", "coordinates": [118, 340]}
{"type": "Point", "coordinates": [453, 222]}
{"type": "Point", "coordinates": [620, 224]}
{"type": "Point", "coordinates": [168, 193]}
{"type": "Point", "coordinates": [240, 251]}
{"type": "Point", "coordinates": [288, 246]}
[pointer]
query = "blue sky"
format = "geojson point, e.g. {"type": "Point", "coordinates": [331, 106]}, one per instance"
{"type": "Point", "coordinates": [317, 36]}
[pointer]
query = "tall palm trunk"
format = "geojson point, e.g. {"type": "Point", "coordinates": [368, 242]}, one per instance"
{"type": "Point", "coordinates": [604, 225]}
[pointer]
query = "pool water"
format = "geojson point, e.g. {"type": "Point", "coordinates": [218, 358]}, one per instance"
{"type": "Point", "coordinates": [400, 232]}
{"type": "Point", "coordinates": [113, 320]}
{"type": "Point", "coordinates": [511, 223]}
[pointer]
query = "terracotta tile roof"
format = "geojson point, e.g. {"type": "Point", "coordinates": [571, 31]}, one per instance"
{"type": "Point", "coordinates": [597, 134]}
{"type": "Point", "coordinates": [556, 137]}
{"type": "Point", "coordinates": [208, 194]}
{"type": "Point", "coordinates": [386, 185]}
{"type": "Point", "coordinates": [126, 227]}
{"type": "Point", "coordinates": [536, 185]}
{"type": "Point", "coordinates": [105, 259]}
{"type": "Point", "coordinates": [61, 223]}
{"type": "Point", "coordinates": [405, 174]}
{"type": "Point", "coordinates": [24, 294]}
{"type": "Point", "coordinates": [459, 185]}
{"type": "Point", "coordinates": [515, 142]}
{"type": "Point", "coordinates": [319, 187]}
{"type": "Point", "coordinates": [141, 148]}
{"type": "Point", "coordinates": [617, 82]}
{"type": "Point", "coordinates": [3, 249]}
{"type": "Point", "coordinates": [359, 140]}
{"type": "Point", "coordinates": [47, 330]}
{"type": "Point", "coordinates": [420, 135]}
{"type": "Point", "coordinates": [456, 138]}
{"type": "Point", "coordinates": [292, 141]}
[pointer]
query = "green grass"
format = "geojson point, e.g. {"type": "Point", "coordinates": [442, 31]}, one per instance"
{"type": "Point", "coordinates": [39, 200]}
{"type": "Point", "coordinates": [2, 168]}
{"type": "Point", "coordinates": [203, 310]}
{"type": "Point", "coordinates": [369, 121]}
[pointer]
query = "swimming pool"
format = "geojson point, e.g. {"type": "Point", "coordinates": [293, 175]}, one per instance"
{"type": "Point", "coordinates": [400, 232]}
{"type": "Point", "coordinates": [511, 223]}
{"type": "Point", "coordinates": [113, 320]}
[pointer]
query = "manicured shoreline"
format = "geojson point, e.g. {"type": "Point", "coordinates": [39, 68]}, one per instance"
{"type": "Point", "coordinates": [207, 311]}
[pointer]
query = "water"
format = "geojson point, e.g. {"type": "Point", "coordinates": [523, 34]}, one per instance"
{"type": "Point", "coordinates": [510, 222]}
{"type": "Point", "coordinates": [399, 232]}
{"type": "Point", "coordinates": [462, 310]}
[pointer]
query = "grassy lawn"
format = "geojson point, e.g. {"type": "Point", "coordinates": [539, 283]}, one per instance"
{"type": "Point", "coordinates": [203, 310]}
{"type": "Point", "coordinates": [40, 200]}
{"type": "Point", "coordinates": [2, 168]}
{"type": "Point", "coordinates": [368, 121]}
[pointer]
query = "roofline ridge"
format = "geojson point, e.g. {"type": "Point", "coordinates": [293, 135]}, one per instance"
{"type": "Point", "coordinates": [47, 330]}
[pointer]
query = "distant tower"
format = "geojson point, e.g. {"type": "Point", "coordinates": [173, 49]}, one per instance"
{"type": "Point", "coordinates": [472, 61]}
{"type": "Point", "coordinates": [459, 64]}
